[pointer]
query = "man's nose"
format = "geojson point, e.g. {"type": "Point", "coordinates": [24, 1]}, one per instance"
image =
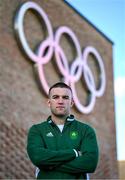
{"type": "Point", "coordinates": [60, 100]}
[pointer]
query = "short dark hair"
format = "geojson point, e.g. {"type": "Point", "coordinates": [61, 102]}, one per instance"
{"type": "Point", "coordinates": [61, 85]}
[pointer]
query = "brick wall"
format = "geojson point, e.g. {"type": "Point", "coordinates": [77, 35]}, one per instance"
{"type": "Point", "coordinates": [22, 101]}
{"type": "Point", "coordinates": [121, 167]}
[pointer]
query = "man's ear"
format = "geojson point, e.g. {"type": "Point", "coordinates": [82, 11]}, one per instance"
{"type": "Point", "coordinates": [72, 102]}
{"type": "Point", "coordinates": [48, 102]}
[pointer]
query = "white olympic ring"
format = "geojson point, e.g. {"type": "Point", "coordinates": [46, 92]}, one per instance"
{"type": "Point", "coordinates": [78, 68]}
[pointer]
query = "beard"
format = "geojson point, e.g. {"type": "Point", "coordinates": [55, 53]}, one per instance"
{"type": "Point", "coordinates": [60, 114]}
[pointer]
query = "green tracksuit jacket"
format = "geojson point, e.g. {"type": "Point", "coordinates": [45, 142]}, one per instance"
{"type": "Point", "coordinates": [52, 150]}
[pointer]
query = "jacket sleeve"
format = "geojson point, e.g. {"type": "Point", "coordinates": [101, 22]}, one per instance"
{"type": "Point", "coordinates": [88, 161]}
{"type": "Point", "coordinates": [42, 157]}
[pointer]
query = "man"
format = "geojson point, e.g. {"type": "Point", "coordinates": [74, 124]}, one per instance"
{"type": "Point", "coordinates": [62, 147]}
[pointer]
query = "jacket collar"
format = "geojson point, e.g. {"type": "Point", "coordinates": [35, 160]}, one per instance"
{"type": "Point", "coordinates": [69, 119]}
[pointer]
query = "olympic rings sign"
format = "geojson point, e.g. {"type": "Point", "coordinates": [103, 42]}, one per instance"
{"type": "Point", "coordinates": [78, 68]}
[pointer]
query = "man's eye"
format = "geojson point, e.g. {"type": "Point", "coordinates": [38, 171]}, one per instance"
{"type": "Point", "coordinates": [66, 97]}
{"type": "Point", "coordinates": [55, 97]}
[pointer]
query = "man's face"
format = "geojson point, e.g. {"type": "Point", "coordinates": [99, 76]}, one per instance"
{"type": "Point", "coordinates": [60, 101]}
